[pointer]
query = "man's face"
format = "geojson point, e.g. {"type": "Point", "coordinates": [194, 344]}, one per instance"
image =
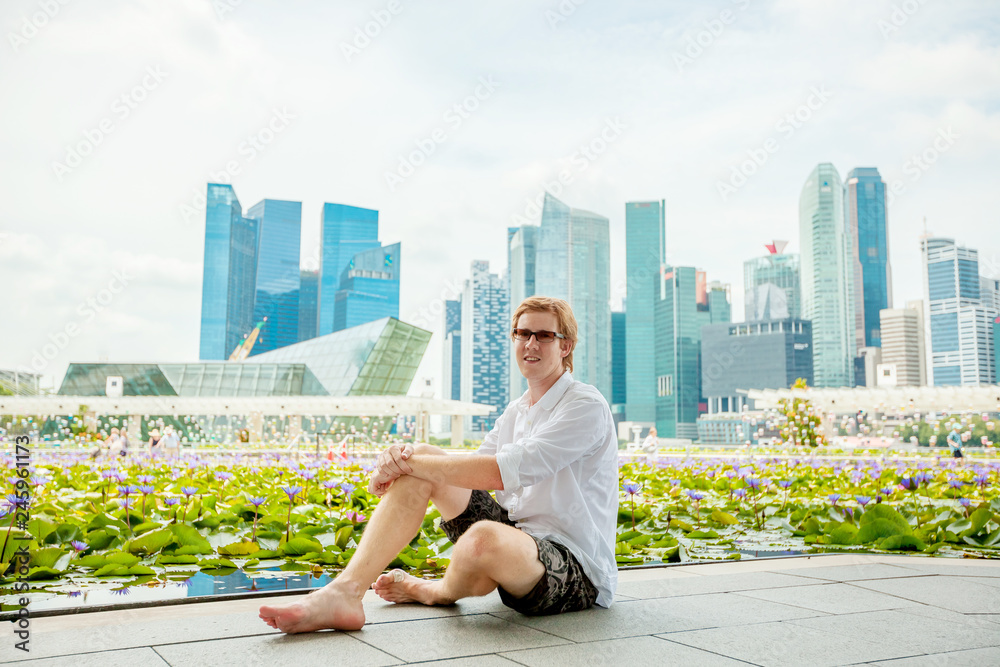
{"type": "Point", "coordinates": [536, 360]}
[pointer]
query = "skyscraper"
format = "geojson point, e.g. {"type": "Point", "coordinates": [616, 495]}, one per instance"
{"type": "Point", "coordinates": [645, 256]}
{"type": "Point", "coordinates": [827, 284]}
{"type": "Point", "coordinates": [573, 263]}
{"type": "Point", "coordinates": [278, 280]}
{"type": "Point", "coordinates": [344, 232]}
{"type": "Point", "coordinates": [959, 323]}
{"type": "Point", "coordinates": [619, 366]}
{"type": "Point", "coordinates": [451, 387]}
{"type": "Point", "coordinates": [903, 348]}
{"type": "Point", "coordinates": [485, 348]}
{"type": "Point", "coordinates": [229, 274]}
{"type": "Point", "coordinates": [872, 277]}
{"type": "Point", "coordinates": [369, 288]}
{"type": "Point", "coordinates": [772, 285]}
{"type": "Point", "coordinates": [678, 320]}
{"type": "Point", "coordinates": [521, 246]}
{"type": "Point", "coordinates": [308, 305]}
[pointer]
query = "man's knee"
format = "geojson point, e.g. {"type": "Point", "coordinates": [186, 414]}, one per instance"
{"type": "Point", "coordinates": [480, 542]}
{"type": "Point", "coordinates": [412, 486]}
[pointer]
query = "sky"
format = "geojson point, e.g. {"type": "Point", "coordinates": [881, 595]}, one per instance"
{"type": "Point", "coordinates": [452, 118]}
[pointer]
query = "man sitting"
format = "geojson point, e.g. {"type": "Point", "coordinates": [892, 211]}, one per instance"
{"type": "Point", "coordinates": [546, 542]}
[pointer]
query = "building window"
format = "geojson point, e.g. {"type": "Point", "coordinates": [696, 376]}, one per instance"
{"type": "Point", "coordinates": [665, 385]}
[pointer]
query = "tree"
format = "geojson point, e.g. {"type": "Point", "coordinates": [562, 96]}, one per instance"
{"type": "Point", "coordinates": [801, 420]}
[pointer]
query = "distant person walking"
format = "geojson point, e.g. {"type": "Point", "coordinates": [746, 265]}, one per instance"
{"type": "Point", "coordinates": [955, 440]}
{"type": "Point", "coordinates": [123, 441]}
{"type": "Point", "coordinates": [171, 442]}
{"type": "Point", "coordinates": [114, 444]}
{"type": "Point", "coordinates": [155, 445]}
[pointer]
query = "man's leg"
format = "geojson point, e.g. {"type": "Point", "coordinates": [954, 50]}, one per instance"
{"type": "Point", "coordinates": [394, 523]}
{"type": "Point", "coordinates": [488, 555]}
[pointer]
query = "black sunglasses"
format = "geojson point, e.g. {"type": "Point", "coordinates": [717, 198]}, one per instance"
{"type": "Point", "coordinates": [540, 336]}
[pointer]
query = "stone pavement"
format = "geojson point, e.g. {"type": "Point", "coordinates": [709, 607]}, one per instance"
{"type": "Point", "coordinates": [822, 610]}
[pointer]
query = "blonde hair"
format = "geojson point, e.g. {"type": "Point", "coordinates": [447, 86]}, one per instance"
{"type": "Point", "coordinates": [564, 317]}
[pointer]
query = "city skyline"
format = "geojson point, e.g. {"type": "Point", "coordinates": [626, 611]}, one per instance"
{"type": "Point", "coordinates": [891, 99]}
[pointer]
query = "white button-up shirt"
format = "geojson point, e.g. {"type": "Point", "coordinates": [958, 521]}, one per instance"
{"type": "Point", "coordinates": [558, 461]}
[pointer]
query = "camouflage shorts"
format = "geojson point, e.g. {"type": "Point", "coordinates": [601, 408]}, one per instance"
{"type": "Point", "coordinates": [564, 586]}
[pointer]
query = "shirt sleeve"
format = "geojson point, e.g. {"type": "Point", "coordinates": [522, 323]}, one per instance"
{"type": "Point", "coordinates": [492, 439]}
{"type": "Point", "coordinates": [576, 431]}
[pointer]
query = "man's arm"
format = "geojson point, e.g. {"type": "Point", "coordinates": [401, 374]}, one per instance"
{"type": "Point", "coordinates": [467, 472]}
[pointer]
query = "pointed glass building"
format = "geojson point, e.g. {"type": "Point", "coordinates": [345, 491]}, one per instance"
{"type": "Point", "coordinates": [864, 198]}
{"type": "Point", "coordinates": [827, 284]}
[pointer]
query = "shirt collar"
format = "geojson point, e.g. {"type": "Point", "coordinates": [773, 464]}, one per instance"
{"type": "Point", "coordinates": [550, 398]}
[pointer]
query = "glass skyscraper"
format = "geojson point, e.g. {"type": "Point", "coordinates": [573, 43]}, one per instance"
{"type": "Point", "coordinates": [308, 305]}
{"type": "Point", "coordinates": [827, 284]}
{"type": "Point", "coordinates": [872, 276]}
{"type": "Point", "coordinates": [344, 232]}
{"type": "Point", "coordinates": [278, 279]}
{"type": "Point", "coordinates": [645, 257]}
{"type": "Point", "coordinates": [485, 350]}
{"type": "Point", "coordinates": [522, 245]}
{"type": "Point", "coordinates": [678, 320]}
{"type": "Point", "coordinates": [452, 356]}
{"type": "Point", "coordinates": [960, 324]}
{"type": "Point", "coordinates": [619, 366]}
{"type": "Point", "coordinates": [229, 275]}
{"type": "Point", "coordinates": [572, 262]}
{"type": "Point", "coordinates": [369, 288]}
{"type": "Point", "coordinates": [772, 286]}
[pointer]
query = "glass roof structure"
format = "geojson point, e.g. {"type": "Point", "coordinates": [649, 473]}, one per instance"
{"type": "Point", "coordinates": [375, 359]}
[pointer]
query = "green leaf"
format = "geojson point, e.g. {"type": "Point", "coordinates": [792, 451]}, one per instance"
{"type": "Point", "coordinates": [344, 535]}
{"type": "Point", "coordinates": [879, 528]}
{"type": "Point", "coordinates": [883, 512]}
{"type": "Point", "coordinates": [40, 573]}
{"type": "Point", "coordinates": [703, 534]}
{"type": "Point", "coordinates": [40, 527]}
{"type": "Point", "coordinates": [239, 549]}
{"type": "Point", "coordinates": [165, 559]}
{"type": "Point", "coordinates": [718, 516]}
{"type": "Point", "coordinates": [640, 540]}
{"type": "Point", "coordinates": [63, 533]}
{"type": "Point", "coordinates": [979, 518]}
{"type": "Point", "coordinates": [151, 542]}
{"type": "Point", "coordinates": [121, 558]}
{"type": "Point", "coordinates": [625, 537]}
{"type": "Point", "coordinates": [141, 570]}
{"type": "Point", "coordinates": [99, 539]}
{"type": "Point", "coordinates": [902, 543]}
{"type": "Point", "coordinates": [845, 533]}
{"type": "Point", "coordinates": [299, 546]}
{"type": "Point", "coordinates": [46, 557]}
{"type": "Point", "coordinates": [216, 563]}
{"type": "Point", "coordinates": [91, 561]}
{"type": "Point", "coordinates": [145, 527]}
{"type": "Point", "coordinates": [112, 570]}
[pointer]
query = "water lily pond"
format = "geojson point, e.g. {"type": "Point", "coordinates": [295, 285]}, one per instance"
{"type": "Point", "coordinates": [102, 533]}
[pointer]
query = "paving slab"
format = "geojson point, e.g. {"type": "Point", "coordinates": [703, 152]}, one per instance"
{"type": "Point", "coordinates": [831, 598]}
{"type": "Point", "coordinates": [723, 583]}
{"type": "Point", "coordinates": [453, 637]}
{"type": "Point", "coordinates": [859, 572]}
{"type": "Point", "coordinates": [963, 595]}
{"type": "Point", "coordinates": [487, 660]}
{"type": "Point", "coordinates": [312, 649]}
{"type": "Point", "coordinates": [970, 658]}
{"type": "Point", "coordinates": [617, 652]}
{"type": "Point", "coordinates": [131, 657]}
{"type": "Point", "coordinates": [962, 567]}
{"type": "Point", "coordinates": [657, 616]}
{"type": "Point", "coordinates": [913, 633]}
{"type": "Point", "coordinates": [779, 644]}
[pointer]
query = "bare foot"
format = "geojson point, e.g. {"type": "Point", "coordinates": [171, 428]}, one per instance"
{"type": "Point", "coordinates": [398, 586]}
{"type": "Point", "coordinates": [331, 607]}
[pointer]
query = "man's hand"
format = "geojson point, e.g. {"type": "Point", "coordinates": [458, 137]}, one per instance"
{"type": "Point", "coordinates": [379, 483]}
{"type": "Point", "coordinates": [392, 462]}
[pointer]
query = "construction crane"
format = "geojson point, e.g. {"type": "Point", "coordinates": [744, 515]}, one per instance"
{"type": "Point", "coordinates": [242, 350]}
